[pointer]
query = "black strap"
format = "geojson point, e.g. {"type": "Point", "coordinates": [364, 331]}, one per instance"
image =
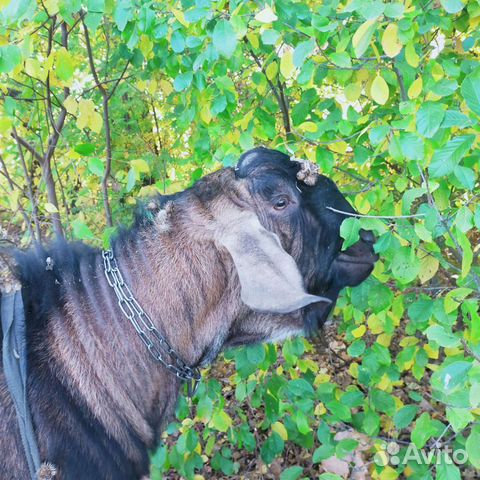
{"type": "Point", "coordinates": [15, 370]}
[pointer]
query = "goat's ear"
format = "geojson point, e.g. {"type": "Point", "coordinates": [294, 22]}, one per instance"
{"type": "Point", "coordinates": [269, 277]}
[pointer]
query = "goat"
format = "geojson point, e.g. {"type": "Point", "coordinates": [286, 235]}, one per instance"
{"type": "Point", "coordinates": [247, 254]}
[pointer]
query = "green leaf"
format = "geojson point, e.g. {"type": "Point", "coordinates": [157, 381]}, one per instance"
{"type": "Point", "coordinates": [323, 452]}
{"type": "Point", "coordinates": [423, 430]}
{"type": "Point", "coordinates": [341, 59]}
{"type": "Point", "coordinates": [439, 335]}
{"type": "Point", "coordinates": [183, 81]}
{"type": "Point", "coordinates": [80, 230]}
{"type": "Point", "coordinates": [95, 166]}
{"type": "Point", "coordinates": [270, 37]}
{"type": "Point", "coordinates": [404, 416]}
{"type": "Point", "coordinates": [452, 6]}
{"type": "Point", "coordinates": [466, 176]}
{"type": "Point", "coordinates": [177, 42]}
{"type": "Point", "coordinates": [64, 65]}
{"type": "Point", "coordinates": [339, 410]}
{"type": "Point", "coordinates": [345, 447]}
{"type": "Point", "coordinates": [447, 158]}
{"type": "Point", "coordinates": [412, 146]}
{"type": "Point", "coordinates": [224, 38]}
{"type": "Point", "coordinates": [454, 118]}
{"type": "Point", "coordinates": [272, 447]}
{"type": "Point", "coordinates": [405, 265]}
{"type": "Point", "coordinates": [123, 13]}
{"type": "Point", "coordinates": [446, 469]}
{"type": "Point", "coordinates": [10, 57]}
{"type": "Point", "coordinates": [302, 51]}
{"type": "Point", "coordinates": [472, 446]}
{"type": "Point", "coordinates": [394, 10]}
{"type": "Point", "coordinates": [459, 418]}
{"type": "Point", "coordinates": [85, 149]}
{"type": "Point", "coordinates": [471, 91]}
{"type": "Point", "coordinates": [362, 37]}
{"type": "Point", "coordinates": [451, 377]}
{"type": "Point", "coordinates": [349, 231]}
{"type": "Point", "coordinates": [382, 401]}
{"type": "Point", "coordinates": [429, 118]}
{"type": "Point", "coordinates": [221, 420]}
{"type": "Point", "coordinates": [291, 473]}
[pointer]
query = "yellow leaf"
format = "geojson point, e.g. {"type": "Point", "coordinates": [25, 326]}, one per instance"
{"type": "Point", "coordinates": [339, 147]}
{"type": "Point", "coordinates": [271, 70]}
{"type": "Point", "coordinates": [279, 428]}
{"type": "Point", "coordinates": [431, 352]}
{"type": "Point", "coordinates": [384, 339]}
{"type": "Point", "coordinates": [140, 165]}
{"type": "Point", "coordinates": [388, 473]}
{"type": "Point", "coordinates": [375, 324]}
{"type": "Point", "coordinates": [321, 378]}
{"type": "Point", "coordinates": [390, 41]}
{"type": "Point", "coordinates": [141, 84]}
{"type": "Point", "coordinates": [50, 208]}
{"type": "Point", "coordinates": [51, 6]}
{"type": "Point", "coordinates": [320, 410]}
{"type": "Point", "coordinates": [145, 45]}
{"type": "Point", "coordinates": [34, 68]}
{"type": "Point", "coordinates": [353, 369]}
{"type": "Point", "coordinates": [310, 127]}
{"type": "Point", "coordinates": [415, 88]}
{"type": "Point", "coordinates": [437, 72]}
{"type": "Point", "coordinates": [352, 92]}
{"type": "Point", "coordinates": [152, 87]}
{"type": "Point", "coordinates": [379, 90]}
{"type": "Point", "coordinates": [166, 87]}
{"type": "Point", "coordinates": [286, 64]}
{"type": "Point", "coordinates": [359, 332]}
{"type": "Point", "coordinates": [385, 383]}
{"type": "Point", "coordinates": [5, 125]}
{"type": "Point", "coordinates": [361, 38]}
{"type": "Point", "coordinates": [411, 55]}
{"type": "Point", "coordinates": [205, 113]}
{"type": "Point", "coordinates": [71, 105]}
{"type": "Point", "coordinates": [452, 352]}
{"type": "Point", "coordinates": [454, 298]}
{"type": "Point", "coordinates": [88, 116]}
{"type": "Point", "coordinates": [253, 39]}
{"type": "Point", "coordinates": [180, 16]}
{"type": "Point", "coordinates": [428, 268]}
{"type": "Point", "coordinates": [407, 341]}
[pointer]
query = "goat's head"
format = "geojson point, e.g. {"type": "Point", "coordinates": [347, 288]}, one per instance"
{"type": "Point", "coordinates": [270, 214]}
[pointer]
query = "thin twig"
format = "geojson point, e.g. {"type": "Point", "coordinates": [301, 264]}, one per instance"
{"type": "Point", "coordinates": [386, 217]}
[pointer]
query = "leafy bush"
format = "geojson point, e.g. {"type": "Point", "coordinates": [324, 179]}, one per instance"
{"type": "Point", "coordinates": [384, 97]}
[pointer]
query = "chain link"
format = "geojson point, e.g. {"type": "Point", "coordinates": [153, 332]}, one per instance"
{"type": "Point", "coordinates": [156, 344]}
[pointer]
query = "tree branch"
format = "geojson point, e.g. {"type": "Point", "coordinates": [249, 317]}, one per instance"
{"type": "Point", "coordinates": [106, 125]}
{"type": "Point", "coordinates": [277, 92]}
{"type": "Point", "coordinates": [28, 179]}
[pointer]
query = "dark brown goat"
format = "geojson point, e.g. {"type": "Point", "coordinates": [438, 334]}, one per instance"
{"type": "Point", "coordinates": [226, 262]}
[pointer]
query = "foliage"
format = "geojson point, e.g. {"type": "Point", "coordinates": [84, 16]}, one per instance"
{"type": "Point", "coordinates": [105, 101]}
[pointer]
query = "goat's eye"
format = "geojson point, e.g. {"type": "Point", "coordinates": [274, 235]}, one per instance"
{"type": "Point", "coordinates": [280, 203]}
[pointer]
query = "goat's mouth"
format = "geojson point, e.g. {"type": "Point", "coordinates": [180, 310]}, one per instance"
{"type": "Point", "coordinates": [345, 257]}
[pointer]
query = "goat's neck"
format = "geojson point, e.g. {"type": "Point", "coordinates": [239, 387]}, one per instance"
{"type": "Point", "coordinates": [185, 288]}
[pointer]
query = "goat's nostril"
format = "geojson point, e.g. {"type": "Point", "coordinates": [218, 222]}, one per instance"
{"type": "Point", "coordinates": [367, 236]}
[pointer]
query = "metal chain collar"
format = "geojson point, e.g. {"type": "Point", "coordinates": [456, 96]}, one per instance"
{"type": "Point", "coordinates": [156, 344]}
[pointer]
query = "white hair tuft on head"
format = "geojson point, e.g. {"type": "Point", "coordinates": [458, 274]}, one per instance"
{"type": "Point", "coordinates": [308, 172]}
